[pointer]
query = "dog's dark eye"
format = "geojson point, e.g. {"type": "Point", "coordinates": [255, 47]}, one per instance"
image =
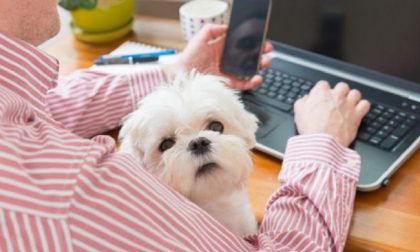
{"type": "Point", "coordinates": [215, 126]}
{"type": "Point", "coordinates": [166, 144]}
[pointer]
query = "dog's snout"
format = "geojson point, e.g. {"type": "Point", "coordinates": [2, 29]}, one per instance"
{"type": "Point", "coordinates": [200, 145]}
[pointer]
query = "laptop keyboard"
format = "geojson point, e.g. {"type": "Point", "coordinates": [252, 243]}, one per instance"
{"type": "Point", "coordinates": [283, 89]}
{"type": "Point", "coordinates": [382, 127]}
{"type": "Point", "coordinates": [385, 127]}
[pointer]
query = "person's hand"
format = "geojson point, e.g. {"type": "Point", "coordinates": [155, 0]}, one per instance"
{"type": "Point", "coordinates": [204, 53]}
{"type": "Point", "coordinates": [337, 112]}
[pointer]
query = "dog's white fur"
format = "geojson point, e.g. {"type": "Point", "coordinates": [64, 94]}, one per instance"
{"type": "Point", "coordinates": [182, 111]}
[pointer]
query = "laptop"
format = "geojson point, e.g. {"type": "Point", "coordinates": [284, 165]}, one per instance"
{"type": "Point", "coordinates": [374, 46]}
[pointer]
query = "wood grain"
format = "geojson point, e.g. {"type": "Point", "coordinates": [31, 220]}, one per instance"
{"type": "Point", "coordinates": [384, 220]}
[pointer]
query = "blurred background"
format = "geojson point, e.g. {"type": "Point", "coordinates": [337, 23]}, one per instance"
{"type": "Point", "coordinates": [159, 8]}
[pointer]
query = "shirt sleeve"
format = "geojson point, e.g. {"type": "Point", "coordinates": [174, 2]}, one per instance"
{"type": "Point", "coordinates": [313, 207]}
{"type": "Point", "coordinates": [89, 102]}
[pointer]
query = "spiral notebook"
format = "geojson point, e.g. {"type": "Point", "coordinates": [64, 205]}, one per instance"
{"type": "Point", "coordinates": [131, 47]}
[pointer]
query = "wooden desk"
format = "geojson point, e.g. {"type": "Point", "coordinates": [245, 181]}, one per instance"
{"type": "Point", "coordinates": [385, 220]}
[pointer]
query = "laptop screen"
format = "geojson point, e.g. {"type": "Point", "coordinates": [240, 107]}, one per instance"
{"type": "Point", "coordinates": [383, 35]}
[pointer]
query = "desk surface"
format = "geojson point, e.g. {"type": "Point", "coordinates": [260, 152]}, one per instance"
{"type": "Point", "coordinates": [384, 220]}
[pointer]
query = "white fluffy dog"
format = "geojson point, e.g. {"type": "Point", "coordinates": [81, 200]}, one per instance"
{"type": "Point", "coordinates": [195, 135]}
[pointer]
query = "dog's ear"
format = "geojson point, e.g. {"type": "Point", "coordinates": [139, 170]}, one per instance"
{"type": "Point", "coordinates": [248, 126]}
{"type": "Point", "coordinates": [128, 125]}
{"type": "Point", "coordinates": [128, 145]}
{"type": "Point", "coordinates": [128, 136]}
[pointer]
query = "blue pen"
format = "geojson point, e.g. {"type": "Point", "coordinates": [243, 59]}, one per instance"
{"type": "Point", "coordinates": [111, 61]}
{"type": "Point", "coordinates": [139, 55]}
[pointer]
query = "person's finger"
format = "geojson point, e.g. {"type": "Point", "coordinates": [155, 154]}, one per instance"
{"type": "Point", "coordinates": [354, 96]}
{"type": "Point", "coordinates": [265, 62]}
{"type": "Point", "coordinates": [238, 84]}
{"type": "Point", "coordinates": [254, 82]}
{"type": "Point", "coordinates": [268, 47]}
{"type": "Point", "coordinates": [321, 86]}
{"type": "Point", "coordinates": [212, 31]}
{"type": "Point", "coordinates": [341, 90]}
{"type": "Point", "coordinates": [361, 109]}
{"type": "Point", "coordinates": [219, 41]}
{"type": "Point", "coordinates": [297, 106]}
{"type": "Point", "coordinates": [299, 103]}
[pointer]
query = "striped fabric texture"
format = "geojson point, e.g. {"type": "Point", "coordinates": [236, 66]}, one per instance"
{"type": "Point", "coordinates": [61, 191]}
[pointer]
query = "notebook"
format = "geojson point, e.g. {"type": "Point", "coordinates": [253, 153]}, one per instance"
{"type": "Point", "coordinates": [132, 47]}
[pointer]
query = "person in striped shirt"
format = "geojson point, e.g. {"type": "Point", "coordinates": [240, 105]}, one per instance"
{"type": "Point", "coordinates": [61, 190]}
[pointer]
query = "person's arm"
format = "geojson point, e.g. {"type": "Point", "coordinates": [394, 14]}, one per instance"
{"type": "Point", "coordinates": [313, 207]}
{"type": "Point", "coordinates": [319, 176]}
{"type": "Point", "coordinates": [90, 102]}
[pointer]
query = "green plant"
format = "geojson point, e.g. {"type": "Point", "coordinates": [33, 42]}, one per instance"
{"type": "Point", "coordinates": [72, 5]}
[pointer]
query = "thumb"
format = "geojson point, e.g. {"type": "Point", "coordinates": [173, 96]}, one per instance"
{"type": "Point", "coordinates": [212, 31]}
{"type": "Point", "coordinates": [299, 103]}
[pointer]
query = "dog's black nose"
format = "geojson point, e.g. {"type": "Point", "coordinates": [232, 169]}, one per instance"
{"type": "Point", "coordinates": [199, 146]}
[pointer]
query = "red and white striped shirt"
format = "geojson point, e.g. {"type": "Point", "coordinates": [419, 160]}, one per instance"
{"type": "Point", "coordinates": [62, 192]}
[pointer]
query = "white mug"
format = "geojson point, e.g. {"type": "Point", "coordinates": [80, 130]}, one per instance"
{"type": "Point", "coordinates": [195, 14]}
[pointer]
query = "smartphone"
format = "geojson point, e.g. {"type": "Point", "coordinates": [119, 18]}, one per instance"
{"type": "Point", "coordinates": [245, 37]}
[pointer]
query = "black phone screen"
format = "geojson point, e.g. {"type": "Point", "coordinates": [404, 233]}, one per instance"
{"type": "Point", "coordinates": [245, 37]}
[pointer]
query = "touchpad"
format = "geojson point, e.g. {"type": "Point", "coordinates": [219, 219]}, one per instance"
{"type": "Point", "coordinates": [266, 121]}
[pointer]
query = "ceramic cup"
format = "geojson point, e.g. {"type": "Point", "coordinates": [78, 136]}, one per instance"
{"type": "Point", "coordinates": [195, 14]}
